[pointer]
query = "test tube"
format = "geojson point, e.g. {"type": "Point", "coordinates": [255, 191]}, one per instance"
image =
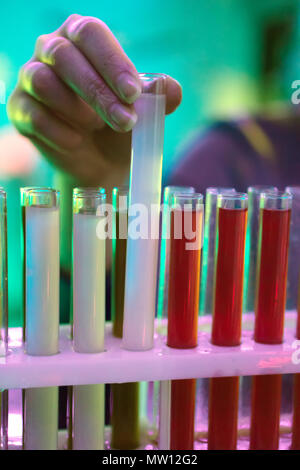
{"type": "Point", "coordinates": [269, 313]}
{"type": "Point", "coordinates": [144, 199]}
{"type": "Point", "coordinates": [162, 302]}
{"type": "Point", "coordinates": [88, 311]}
{"type": "Point", "coordinates": [294, 250]}
{"type": "Point", "coordinates": [23, 193]}
{"type": "Point", "coordinates": [209, 241]}
{"type": "Point", "coordinates": [41, 247]}
{"type": "Point", "coordinates": [125, 425]}
{"type": "Point", "coordinates": [125, 397]}
{"type": "Point", "coordinates": [3, 275]}
{"type": "Point", "coordinates": [227, 315]}
{"type": "Point", "coordinates": [177, 399]}
{"type": "Point", "coordinates": [254, 193]}
{"type": "Point", "coordinates": [184, 270]}
{"type": "Point", "coordinates": [88, 417]}
{"type": "Point", "coordinates": [88, 271]}
{"type": "Point", "coordinates": [292, 274]}
{"type": "Point", "coordinates": [40, 418]}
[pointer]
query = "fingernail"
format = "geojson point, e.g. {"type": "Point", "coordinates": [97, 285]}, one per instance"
{"type": "Point", "coordinates": [129, 87]}
{"type": "Point", "coordinates": [122, 116]}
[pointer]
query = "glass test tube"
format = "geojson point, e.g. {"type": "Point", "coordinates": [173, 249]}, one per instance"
{"type": "Point", "coordinates": [293, 278]}
{"type": "Point", "coordinates": [40, 416]}
{"type": "Point", "coordinates": [23, 193]}
{"type": "Point", "coordinates": [227, 315]}
{"type": "Point", "coordinates": [88, 311]}
{"type": "Point", "coordinates": [125, 397]}
{"type": "Point", "coordinates": [119, 241]}
{"type": "Point", "coordinates": [41, 254]}
{"type": "Point", "coordinates": [3, 275]}
{"type": "Point", "coordinates": [254, 193]}
{"type": "Point", "coordinates": [145, 190]}
{"type": "Point", "coordinates": [208, 252]}
{"type": "Point", "coordinates": [76, 191]}
{"type": "Point", "coordinates": [162, 302]}
{"type": "Point", "coordinates": [269, 313]}
{"type": "Point", "coordinates": [294, 250]}
{"type": "Point", "coordinates": [177, 399]}
{"type": "Point", "coordinates": [88, 417]}
{"type": "Point", "coordinates": [88, 271]}
{"type": "Point", "coordinates": [184, 270]}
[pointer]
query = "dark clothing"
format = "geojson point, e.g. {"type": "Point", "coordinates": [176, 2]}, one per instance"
{"type": "Point", "coordinates": [240, 154]}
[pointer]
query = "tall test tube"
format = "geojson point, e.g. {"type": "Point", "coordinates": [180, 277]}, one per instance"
{"type": "Point", "coordinates": [254, 193]}
{"type": "Point", "coordinates": [145, 190]}
{"type": "Point", "coordinates": [88, 311]}
{"type": "Point", "coordinates": [269, 314]}
{"type": "Point", "coordinates": [41, 215]}
{"type": "Point", "coordinates": [227, 316]}
{"type": "Point", "coordinates": [177, 399]}
{"type": "Point", "coordinates": [209, 243]}
{"type": "Point", "coordinates": [3, 275]}
{"type": "Point", "coordinates": [125, 397]}
{"type": "Point", "coordinates": [162, 297]}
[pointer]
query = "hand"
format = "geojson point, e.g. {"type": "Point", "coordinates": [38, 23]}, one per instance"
{"type": "Point", "coordinates": [74, 101]}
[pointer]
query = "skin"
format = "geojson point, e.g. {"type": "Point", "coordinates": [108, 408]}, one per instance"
{"type": "Point", "coordinates": [74, 101]}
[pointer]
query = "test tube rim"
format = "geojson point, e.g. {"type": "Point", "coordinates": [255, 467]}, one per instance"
{"type": "Point", "coordinates": [238, 196]}
{"type": "Point", "coordinates": [161, 81]}
{"type": "Point", "coordinates": [261, 188]}
{"type": "Point", "coordinates": [90, 194]}
{"type": "Point", "coordinates": [38, 190]}
{"type": "Point", "coordinates": [282, 196]}
{"type": "Point", "coordinates": [215, 190]}
{"type": "Point", "coordinates": [183, 199]}
{"type": "Point", "coordinates": [277, 195]}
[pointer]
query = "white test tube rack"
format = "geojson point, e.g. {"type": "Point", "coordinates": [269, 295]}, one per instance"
{"type": "Point", "coordinates": [20, 371]}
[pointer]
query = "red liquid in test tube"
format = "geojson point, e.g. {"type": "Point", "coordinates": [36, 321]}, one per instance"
{"type": "Point", "coordinates": [227, 316]}
{"type": "Point", "coordinates": [183, 305]}
{"type": "Point", "coordinates": [269, 321]}
{"type": "Point", "coordinates": [296, 394]}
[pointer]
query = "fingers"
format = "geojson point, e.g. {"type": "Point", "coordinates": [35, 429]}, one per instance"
{"type": "Point", "coordinates": [76, 71]}
{"type": "Point", "coordinates": [41, 82]}
{"type": "Point", "coordinates": [174, 95]}
{"type": "Point", "coordinates": [98, 44]}
{"type": "Point", "coordinates": [32, 118]}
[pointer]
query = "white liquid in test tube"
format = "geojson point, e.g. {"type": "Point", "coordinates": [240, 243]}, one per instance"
{"type": "Point", "coordinates": [88, 417]}
{"type": "Point", "coordinates": [42, 280]}
{"type": "Point", "coordinates": [164, 415]}
{"type": "Point", "coordinates": [88, 284]}
{"type": "Point", "coordinates": [145, 188]}
{"type": "Point", "coordinates": [41, 418]}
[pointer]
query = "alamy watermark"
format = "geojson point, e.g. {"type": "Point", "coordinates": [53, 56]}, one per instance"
{"type": "Point", "coordinates": [143, 222]}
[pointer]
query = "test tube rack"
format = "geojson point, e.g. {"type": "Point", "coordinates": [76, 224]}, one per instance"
{"type": "Point", "coordinates": [117, 365]}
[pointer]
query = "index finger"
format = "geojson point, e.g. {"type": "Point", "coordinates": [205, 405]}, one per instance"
{"type": "Point", "coordinates": [98, 44]}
